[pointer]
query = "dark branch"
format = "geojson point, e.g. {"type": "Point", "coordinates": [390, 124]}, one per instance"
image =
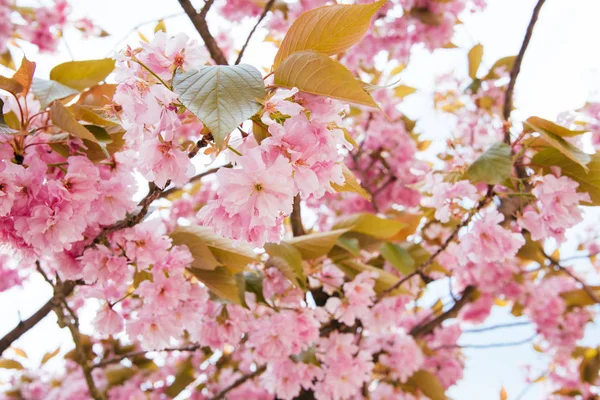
{"type": "Point", "coordinates": [516, 69]}
{"type": "Point", "coordinates": [199, 21]}
{"type": "Point", "coordinates": [262, 16]}
{"type": "Point", "coordinates": [239, 382]}
{"type": "Point", "coordinates": [499, 326]}
{"type": "Point", "coordinates": [296, 218]}
{"type": "Point", "coordinates": [118, 359]}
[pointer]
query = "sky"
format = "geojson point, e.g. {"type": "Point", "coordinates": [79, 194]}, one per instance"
{"type": "Point", "coordinates": [560, 72]}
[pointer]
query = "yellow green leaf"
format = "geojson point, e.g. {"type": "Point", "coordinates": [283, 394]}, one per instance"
{"type": "Point", "coordinates": [384, 279]}
{"type": "Point", "coordinates": [429, 384]}
{"type": "Point", "coordinates": [219, 281]}
{"type": "Point", "coordinates": [318, 74]}
{"type": "Point", "coordinates": [328, 30]}
{"type": "Point", "coordinates": [492, 167]}
{"type": "Point", "coordinates": [398, 257]}
{"type": "Point", "coordinates": [506, 63]}
{"type": "Point", "coordinates": [116, 375]}
{"type": "Point", "coordinates": [351, 184]}
{"type": "Point", "coordinates": [402, 91]}
{"type": "Point", "coordinates": [62, 118]}
{"type": "Point", "coordinates": [19, 352]}
{"type": "Point", "coordinates": [82, 74]}
{"type": "Point", "coordinates": [184, 375]}
{"type": "Point", "coordinates": [555, 140]}
{"type": "Point", "coordinates": [371, 224]}
{"type": "Point", "coordinates": [475, 57]}
{"type": "Point", "coordinates": [317, 244]}
{"type": "Point", "coordinates": [288, 260]}
{"type": "Point", "coordinates": [10, 85]}
{"type": "Point", "coordinates": [540, 123]}
{"type": "Point", "coordinates": [160, 26]}
{"type": "Point", "coordinates": [589, 180]}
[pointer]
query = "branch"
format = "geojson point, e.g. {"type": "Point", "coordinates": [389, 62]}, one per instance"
{"type": "Point", "coordinates": [199, 21]}
{"type": "Point", "coordinates": [262, 16]}
{"type": "Point", "coordinates": [489, 345]}
{"type": "Point", "coordinates": [499, 326]}
{"type": "Point", "coordinates": [118, 359]}
{"type": "Point", "coordinates": [296, 218]}
{"type": "Point", "coordinates": [516, 69]}
{"type": "Point", "coordinates": [240, 381]}
{"type": "Point", "coordinates": [428, 327]}
{"type": "Point", "coordinates": [586, 288]}
{"type": "Point", "coordinates": [167, 192]}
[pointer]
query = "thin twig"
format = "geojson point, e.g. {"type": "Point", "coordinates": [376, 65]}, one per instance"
{"type": "Point", "coordinates": [489, 345]}
{"type": "Point", "coordinates": [239, 382]}
{"type": "Point", "coordinates": [499, 326]}
{"type": "Point", "coordinates": [195, 178]}
{"type": "Point", "coordinates": [585, 286]}
{"type": "Point", "coordinates": [514, 73]}
{"type": "Point", "coordinates": [262, 16]}
{"type": "Point", "coordinates": [118, 359]}
{"type": "Point", "coordinates": [199, 22]}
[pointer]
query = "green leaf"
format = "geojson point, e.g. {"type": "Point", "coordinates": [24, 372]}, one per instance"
{"type": "Point", "coordinates": [328, 30]}
{"type": "Point", "coordinates": [475, 57]}
{"type": "Point", "coordinates": [371, 225]}
{"type": "Point", "coordinates": [318, 74]}
{"type": "Point", "coordinates": [492, 167]}
{"type": "Point", "coordinates": [82, 74]}
{"type": "Point", "coordinates": [50, 355]}
{"type": "Point", "coordinates": [398, 257]}
{"type": "Point", "coordinates": [48, 91]}
{"type": "Point", "coordinates": [351, 184]}
{"type": "Point", "coordinates": [252, 282]}
{"type": "Point", "coordinates": [86, 113]}
{"type": "Point", "coordinates": [224, 251]}
{"type": "Point", "coordinates": [117, 375]}
{"type": "Point", "coordinates": [10, 364]}
{"type": "Point", "coordinates": [429, 384]}
{"type": "Point", "coordinates": [317, 244]}
{"type": "Point", "coordinates": [402, 91]}
{"type": "Point", "coordinates": [579, 297]}
{"type": "Point", "coordinates": [62, 118]}
{"type": "Point", "coordinates": [544, 124]}
{"type": "Point", "coordinates": [219, 281]}
{"type": "Point", "coordinates": [555, 140]}
{"type": "Point", "coordinates": [589, 179]}
{"type": "Point", "coordinates": [160, 26]}
{"type": "Point", "coordinates": [222, 97]}
{"type": "Point", "coordinates": [288, 260]}
{"type": "Point", "coordinates": [384, 279]}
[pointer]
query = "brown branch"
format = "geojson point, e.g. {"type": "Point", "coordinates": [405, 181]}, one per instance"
{"type": "Point", "coordinates": [428, 327]}
{"type": "Point", "coordinates": [118, 359]}
{"type": "Point", "coordinates": [262, 16]}
{"type": "Point", "coordinates": [516, 69]}
{"type": "Point", "coordinates": [585, 286]}
{"type": "Point", "coordinates": [296, 218]}
{"type": "Point", "coordinates": [199, 22]}
{"type": "Point", "coordinates": [239, 382]}
{"type": "Point", "coordinates": [195, 178]}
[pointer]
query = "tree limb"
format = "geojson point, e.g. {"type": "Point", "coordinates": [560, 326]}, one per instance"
{"type": "Point", "coordinates": [516, 69]}
{"type": "Point", "coordinates": [262, 16]}
{"type": "Point", "coordinates": [296, 218]}
{"type": "Point", "coordinates": [199, 22]}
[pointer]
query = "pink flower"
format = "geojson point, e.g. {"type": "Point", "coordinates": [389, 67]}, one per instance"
{"type": "Point", "coordinates": [101, 264]}
{"type": "Point", "coordinates": [108, 321]}
{"type": "Point", "coordinates": [166, 53]}
{"type": "Point", "coordinates": [286, 378]}
{"type": "Point", "coordinates": [402, 356]}
{"type": "Point", "coordinates": [279, 103]}
{"type": "Point", "coordinates": [165, 161]}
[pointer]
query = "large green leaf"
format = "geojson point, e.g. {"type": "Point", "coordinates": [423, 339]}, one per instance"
{"type": "Point", "coordinates": [288, 260]}
{"type": "Point", "coordinates": [315, 73]}
{"type": "Point", "coordinates": [589, 181]}
{"type": "Point", "coordinates": [492, 167]}
{"type": "Point", "coordinates": [328, 30]}
{"type": "Point", "coordinates": [220, 282]}
{"type": "Point", "coordinates": [552, 134]}
{"type": "Point", "coordinates": [221, 251]}
{"type": "Point", "coordinates": [351, 184]}
{"type": "Point", "coordinates": [222, 97]}
{"type": "Point", "coordinates": [48, 91]}
{"type": "Point", "coordinates": [10, 85]}
{"type": "Point", "coordinates": [398, 257]}
{"type": "Point", "coordinates": [82, 74]}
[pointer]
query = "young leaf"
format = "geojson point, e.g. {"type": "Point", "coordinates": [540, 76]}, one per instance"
{"type": "Point", "coordinates": [184, 376]}
{"type": "Point", "coordinates": [222, 97]}
{"type": "Point", "coordinates": [316, 244]}
{"type": "Point", "coordinates": [475, 57]}
{"type": "Point", "coordinates": [398, 257]}
{"type": "Point", "coordinates": [288, 260]}
{"type": "Point", "coordinates": [4, 128]}
{"type": "Point", "coordinates": [219, 281]}
{"type": "Point", "coordinates": [203, 257]}
{"type": "Point", "coordinates": [10, 85]}
{"type": "Point", "coordinates": [402, 91]}
{"type": "Point", "coordinates": [555, 140]}
{"type": "Point", "coordinates": [234, 257]}
{"type": "Point", "coordinates": [371, 225]}
{"type": "Point", "coordinates": [48, 356]}
{"type": "Point", "coordinates": [351, 184]}
{"type": "Point", "coordinates": [25, 75]}
{"type": "Point", "coordinates": [589, 180]}
{"type": "Point", "coordinates": [544, 124]}
{"type": "Point", "coordinates": [384, 279]}
{"type": "Point", "coordinates": [10, 364]}
{"type": "Point", "coordinates": [62, 118]}
{"type": "Point", "coordinates": [429, 384]}
{"type": "Point", "coordinates": [328, 30]}
{"type": "Point", "coordinates": [82, 74]}
{"type": "Point", "coordinates": [318, 74]}
{"type": "Point", "coordinates": [505, 63]}
{"type": "Point", "coordinates": [492, 167]}
{"type": "Point", "coordinates": [48, 91]}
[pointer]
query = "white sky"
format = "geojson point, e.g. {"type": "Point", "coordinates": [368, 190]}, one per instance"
{"type": "Point", "coordinates": [560, 72]}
